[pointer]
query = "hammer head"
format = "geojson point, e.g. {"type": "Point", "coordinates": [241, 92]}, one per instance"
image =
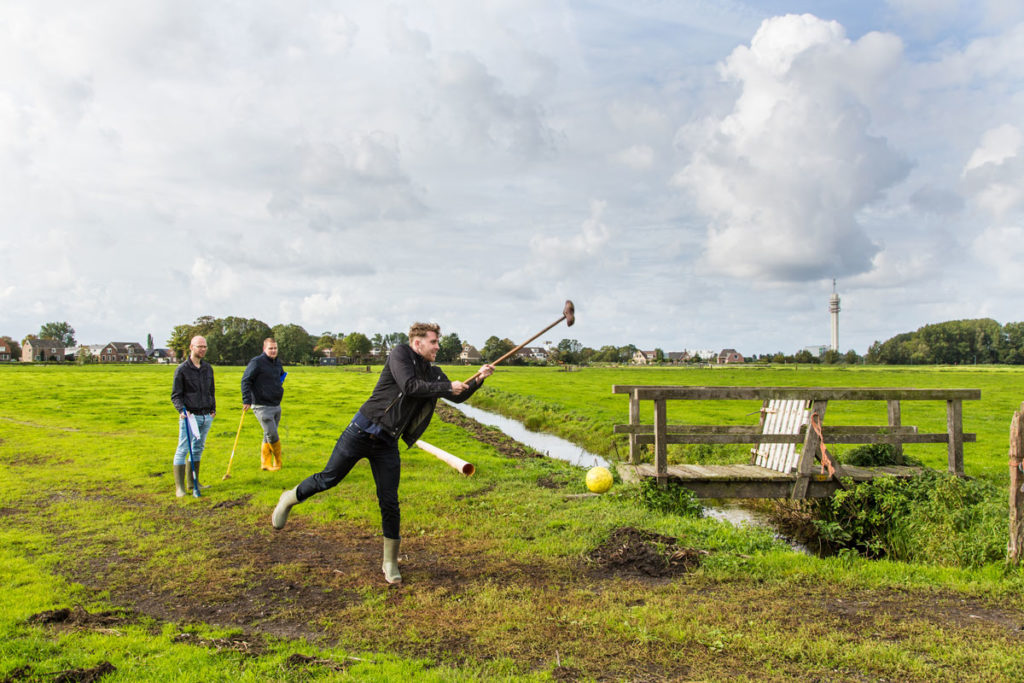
{"type": "Point", "coordinates": [570, 313]}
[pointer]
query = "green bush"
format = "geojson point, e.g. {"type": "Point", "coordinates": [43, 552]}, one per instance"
{"type": "Point", "coordinates": [672, 499]}
{"type": "Point", "coordinates": [877, 455]}
{"type": "Point", "coordinates": [935, 517]}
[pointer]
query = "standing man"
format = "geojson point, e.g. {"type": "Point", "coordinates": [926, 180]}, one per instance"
{"type": "Point", "coordinates": [401, 406]}
{"type": "Point", "coordinates": [192, 391]}
{"type": "Point", "coordinates": [262, 389]}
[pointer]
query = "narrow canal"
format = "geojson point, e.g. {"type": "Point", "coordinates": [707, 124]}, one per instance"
{"type": "Point", "coordinates": [557, 447]}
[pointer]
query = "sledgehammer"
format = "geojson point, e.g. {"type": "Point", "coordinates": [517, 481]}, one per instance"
{"type": "Point", "coordinates": [568, 315]}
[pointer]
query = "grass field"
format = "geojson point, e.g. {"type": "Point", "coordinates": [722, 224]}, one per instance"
{"type": "Point", "coordinates": [506, 577]}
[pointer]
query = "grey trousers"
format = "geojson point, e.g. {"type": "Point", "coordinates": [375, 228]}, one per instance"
{"type": "Point", "coordinates": [269, 417]}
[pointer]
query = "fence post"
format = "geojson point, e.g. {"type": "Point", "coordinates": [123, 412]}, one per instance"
{"type": "Point", "coordinates": [1016, 545]}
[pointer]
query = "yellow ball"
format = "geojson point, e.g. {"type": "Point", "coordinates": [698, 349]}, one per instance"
{"type": "Point", "coordinates": [599, 479]}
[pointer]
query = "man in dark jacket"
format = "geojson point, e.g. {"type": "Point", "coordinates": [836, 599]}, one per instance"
{"type": "Point", "coordinates": [192, 391]}
{"type": "Point", "coordinates": [400, 407]}
{"type": "Point", "coordinates": [262, 390]}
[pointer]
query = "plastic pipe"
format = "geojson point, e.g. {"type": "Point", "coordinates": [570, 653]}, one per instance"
{"type": "Point", "coordinates": [458, 463]}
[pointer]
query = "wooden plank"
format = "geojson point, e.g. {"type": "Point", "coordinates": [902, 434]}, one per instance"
{"type": "Point", "coordinates": [660, 445]}
{"type": "Point", "coordinates": [651, 392]}
{"type": "Point", "coordinates": [893, 410]}
{"type": "Point", "coordinates": [752, 481]}
{"type": "Point", "coordinates": [835, 430]}
{"type": "Point", "coordinates": [1015, 547]}
{"type": "Point", "coordinates": [752, 437]}
{"type": "Point", "coordinates": [725, 439]}
{"type": "Point", "coordinates": [811, 444]}
{"type": "Point", "coordinates": [634, 419]}
{"type": "Point", "coordinates": [955, 427]}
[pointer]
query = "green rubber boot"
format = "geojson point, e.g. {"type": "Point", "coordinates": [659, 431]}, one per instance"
{"type": "Point", "coordinates": [179, 481]}
{"type": "Point", "coordinates": [188, 477]}
{"type": "Point", "coordinates": [284, 506]}
{"type": "Point", "coordinates": [390, 565]}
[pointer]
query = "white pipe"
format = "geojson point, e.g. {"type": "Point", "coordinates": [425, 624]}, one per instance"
{"type": "Point", "coordinates": [458, 463]}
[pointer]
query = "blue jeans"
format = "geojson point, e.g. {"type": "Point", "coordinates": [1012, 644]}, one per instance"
{"type": "Point", "coordinates": [181, 455]}
{"type": "Point", "coordinates": [353, 445]}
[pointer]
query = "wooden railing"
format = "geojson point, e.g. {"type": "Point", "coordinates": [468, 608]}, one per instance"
{"type": "Point", "coordinates": [660, 433]}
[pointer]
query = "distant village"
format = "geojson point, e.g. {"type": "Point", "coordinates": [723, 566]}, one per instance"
{"type": "Point", "coordinates": [36, 350]}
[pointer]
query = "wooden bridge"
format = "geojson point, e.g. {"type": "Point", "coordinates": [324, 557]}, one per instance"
{"type": "Point", "coordinates": [776, 470]}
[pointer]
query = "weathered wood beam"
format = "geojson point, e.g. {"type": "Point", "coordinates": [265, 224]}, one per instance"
{"type": "Point", "coordinates": [833, 438]}
{"type": "Point", "coordinates": [955, 427]}
{"type": "Point", "coordinates": [660, 444]}
{"type": "Point", "coordinates": [840, 430]}
{"type": "Point", "coordinates": [1016, 544]}
{"type": "Point", "coordinates": [644, 392]}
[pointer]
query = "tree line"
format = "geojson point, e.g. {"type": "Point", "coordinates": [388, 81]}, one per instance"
{"type": "Point", "coordinates": [956, 342]}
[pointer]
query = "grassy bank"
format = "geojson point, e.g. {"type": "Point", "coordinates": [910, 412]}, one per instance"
{"type": "Point", "coordinates": [506, 577]}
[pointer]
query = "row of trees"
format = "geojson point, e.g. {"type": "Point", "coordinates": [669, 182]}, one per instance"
{"type": "Point", "coordinates": [955, 342]}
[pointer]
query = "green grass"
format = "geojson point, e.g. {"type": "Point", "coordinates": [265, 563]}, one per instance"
{"type": "Point", "coordinates": [497, 587]}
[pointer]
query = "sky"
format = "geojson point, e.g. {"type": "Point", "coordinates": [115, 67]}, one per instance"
{"type": "Point", "coordinates": [692, 174]}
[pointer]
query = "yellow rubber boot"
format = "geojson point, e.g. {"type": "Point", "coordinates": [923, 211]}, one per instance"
{"type": "Point", "coordinates": [276, 461]}
{"type": "Point", "coordinates": [266, 457]}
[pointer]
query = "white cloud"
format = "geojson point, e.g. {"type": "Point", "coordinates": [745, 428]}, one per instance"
{"type": "Point", "coordinates": [783, 176]}
{"type": "Point", "coordinates": [638, 157]}
{"type": "Point", "coordinates": [994, 174]}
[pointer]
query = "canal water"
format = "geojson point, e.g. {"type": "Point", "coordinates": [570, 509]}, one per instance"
{"type": "Point", "coordinates": [557, 447]}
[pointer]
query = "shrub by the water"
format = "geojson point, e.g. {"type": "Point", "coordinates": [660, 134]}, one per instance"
{"type": "Point", "coordinates": [673, 498]}
{"type": "Point", "coordinates": [936, 517]}
{"type": "Point", "coordinates": [877, 455]}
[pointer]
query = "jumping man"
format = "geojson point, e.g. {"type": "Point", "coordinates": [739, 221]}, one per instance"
{"type": "Point", "coordinates": [192, 391]}
{"type": "Point", "coordinates": [401, 406]}
{"type": "Point", "coordinates": [262, 389]}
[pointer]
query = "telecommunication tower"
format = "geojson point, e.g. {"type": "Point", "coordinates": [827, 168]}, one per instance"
{"type": "Point", "coordinates": [833, 309]}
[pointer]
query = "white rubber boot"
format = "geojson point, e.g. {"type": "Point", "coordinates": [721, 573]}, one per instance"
{"type": "Point", "coordinates": [284, 506]}
{"type": "Point", "coordinates": [390, 565]}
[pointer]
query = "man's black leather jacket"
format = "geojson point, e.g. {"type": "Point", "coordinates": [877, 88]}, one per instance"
{"type": "Point", "coordinates": [403, 401]}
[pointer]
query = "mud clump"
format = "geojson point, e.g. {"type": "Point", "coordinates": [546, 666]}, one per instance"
{"type": "Point", "coordinates": [252, 647]}
{"type": "Point", "coordinates": [78, 616]}
{"type": "Point", "coordinates": [25, 673]}
{"type": "Point", "coordinates": [298, 661]}
{"type": "Point", "coordinates": [491, 436]}
{"type": "Point", "coordinates": [236, 503]}
{"type": "Point", "coordinates": [634, 552]}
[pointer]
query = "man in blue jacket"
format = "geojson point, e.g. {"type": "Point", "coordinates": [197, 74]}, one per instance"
{"type": "Point", "coordinates": [400, 407]}
{"type": "Point", "coordinates": [262, 390]}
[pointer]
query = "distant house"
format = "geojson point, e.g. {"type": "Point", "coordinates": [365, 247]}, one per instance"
{"type": "Point", "coordinates": [37, 350]}
{"type": "Point", "coordinates": [5, 351]}
{"type": "Point", "coordinates": [643, 357]}
{"type": "Point", "coordinates": [729, 356]}
{"type": "Point", "coordinates": [677, 356]}
{"type": "Point", "coordinates": [534, 353]}
{"type": "Point", "coordinates": [123, 352]}
{"type": "Point", "coordinates": [162, 355]}
{"type": "Point", "coordinates": [470, 354]}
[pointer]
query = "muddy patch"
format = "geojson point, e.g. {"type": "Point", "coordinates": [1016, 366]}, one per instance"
{"type": "Point", "coordinates": [550, 481]}
{"type": "Point", "coordinates": [246, 645]}
{"type": "Point", "coordinates": [634, 552]}
{"type": "Point", "coordinates": [492, 436]}
{"type": "Point", "coordinates": [297, 661]}
{"type": "Point", "coordinates": [235, 503]}
{"type": "Point", "coordinates": [26, 673]}
{"type": "Point", "coordinates": [477, 493]}
{"type": "Point", "coordinates": [78, 616]}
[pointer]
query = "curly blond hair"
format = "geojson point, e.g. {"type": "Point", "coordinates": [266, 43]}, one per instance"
{"type": "Point", "coordinates": [421, 329]}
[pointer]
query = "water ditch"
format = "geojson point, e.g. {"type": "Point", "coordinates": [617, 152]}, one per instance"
{"type": "Point", "coordinates": [561, 449]}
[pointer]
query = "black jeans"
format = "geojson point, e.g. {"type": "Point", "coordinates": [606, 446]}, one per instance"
{"type": "Point", "coordinates": [353, 445]}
